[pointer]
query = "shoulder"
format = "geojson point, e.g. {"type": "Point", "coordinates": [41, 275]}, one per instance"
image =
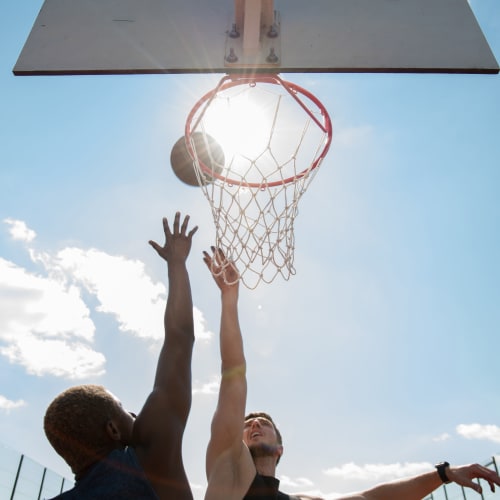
{"type": "Point", "coordinates": [229, 478]}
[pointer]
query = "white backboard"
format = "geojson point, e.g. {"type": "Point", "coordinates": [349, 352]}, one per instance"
{"type": "Point", "coordinates": [191, 36]}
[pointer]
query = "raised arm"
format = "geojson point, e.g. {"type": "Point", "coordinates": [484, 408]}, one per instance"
{"type": "Point", "coordinates": [229, 465]}
{"type": "Point", "coordinates": [173, 374]}
{"type": "Point", "coordinates": [160, 425]}
{"type": "Point", "coordinates": [418, 487]}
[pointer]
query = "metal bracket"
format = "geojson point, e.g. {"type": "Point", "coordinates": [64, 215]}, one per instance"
{"type": "Point", "coordinates": [254, 38]}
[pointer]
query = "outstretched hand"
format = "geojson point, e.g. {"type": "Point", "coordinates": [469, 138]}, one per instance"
{"type": "Point", "coordinates": [223, 270]}
{"type": "Point", "coordinates": [465, 475]}
{"type": "Point", "coordinates": [177, 243]}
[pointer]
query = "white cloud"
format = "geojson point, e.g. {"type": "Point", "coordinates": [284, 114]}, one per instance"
{"type": "Point", "coordinates": [211, 387]}
{"type": "Point", "coordinates": [121, 287]}
{"type": "Point", "coordinates": [300, 482]}
{"type": "Point", "coordinates": [45, 324]}
{"type": "Point", "coordinates": [60, 358]}
{"type": "Point", "coordinates": [479, 431]}
{"type": "Point", "coordinates": [124, 290]}
{"type": "Point", "coordinates": [7, 405]}
{"type": "Point", "coordinates": [39, 320]}
{"type": "Point", "coordinates": [377, 472]}
{"type": "Point", "coordinates": [200, 326]}
{"type": "Point", "coordinates": [442, 437]}
{"type": "Point", "coordinates": [43, 305]}
{"type": "Point", "coordinates": [20, 231]}
{"type": "Point", "coordinates": [304, 486]}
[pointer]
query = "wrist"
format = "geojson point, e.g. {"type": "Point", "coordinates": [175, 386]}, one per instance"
{"type": "Point", "coordinates": [442, 469]}
{"type": "Point", "coordinates": [229, 294]}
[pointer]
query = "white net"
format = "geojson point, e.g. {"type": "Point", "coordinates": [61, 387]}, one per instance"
{"type": "Point", "coordinates": [274, 135]}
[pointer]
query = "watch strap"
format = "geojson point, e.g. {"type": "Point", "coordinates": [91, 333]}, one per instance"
{"type": "Point", "coordinates": [441, 470]}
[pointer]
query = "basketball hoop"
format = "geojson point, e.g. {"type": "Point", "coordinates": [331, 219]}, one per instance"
{"type": "Point", "coordinates": [269, 161]}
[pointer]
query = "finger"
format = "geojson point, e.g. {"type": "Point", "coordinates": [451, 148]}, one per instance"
{"type": "Point", "coordinates": [214, 253]}
{"type": "Point", "coordinates": [473, 485]}
{"type": "Point", "coordinates": [184, 224]}
{"type": "Point", "coordinates": [176, 222]}
{"type": "Point", "coordinates": [166, 228]}
{"type": "Point", "coordinates": [190, 235]}
{"type": "Point", "coordinates": [154, 245]}
{"type": "Point", "coordinates": [212, 262]}
{"type": "Point", "coordinates": [207, 259]}
{"type": "Point", "coordinates": [216, 264]}
{"type": "Point", "coordinates": [487, 476]}
{"type": "Point", "coordinates": [219, 256]}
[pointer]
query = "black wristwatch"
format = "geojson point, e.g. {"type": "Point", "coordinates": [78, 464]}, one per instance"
{"type": "Point", "coordinates": [441, 469]}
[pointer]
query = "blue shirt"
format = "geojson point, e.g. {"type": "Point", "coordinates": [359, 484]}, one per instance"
{"type": "Point", "coordinates": [119, 476]}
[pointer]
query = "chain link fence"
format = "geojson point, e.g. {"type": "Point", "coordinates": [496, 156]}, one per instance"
{"type": "Point", "coordinates": [21, 478]}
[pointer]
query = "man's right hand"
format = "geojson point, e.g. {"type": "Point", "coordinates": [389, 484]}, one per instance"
{"type": "Point", "coordinates": [223, 270]}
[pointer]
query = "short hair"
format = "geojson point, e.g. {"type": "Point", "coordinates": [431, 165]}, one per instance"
{"type": "Point", "coordinates": [75, 424]}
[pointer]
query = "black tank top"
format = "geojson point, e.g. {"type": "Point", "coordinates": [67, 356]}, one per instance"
{"type": "Point", "coordinates": [265, 488]}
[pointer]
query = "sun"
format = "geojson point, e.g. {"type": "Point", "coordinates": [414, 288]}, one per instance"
{"type": "Point", "coordinates": [241, 123]}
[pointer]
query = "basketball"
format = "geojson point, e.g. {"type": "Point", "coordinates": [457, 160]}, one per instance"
{"type": "Point", "coordinates": [209, 153]}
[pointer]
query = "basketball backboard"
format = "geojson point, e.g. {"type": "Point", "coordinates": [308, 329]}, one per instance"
{"type": "Point", "coordinates": [293, 36]}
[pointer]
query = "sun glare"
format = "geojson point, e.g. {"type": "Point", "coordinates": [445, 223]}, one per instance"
{"type": "Point", "coordinates": [241, 125]}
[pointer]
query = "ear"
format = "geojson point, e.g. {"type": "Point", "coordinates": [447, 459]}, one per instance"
{"type": "Point", "coordinates": [279, 450]}
{"type": "Point", "coordinates": [113, 431]}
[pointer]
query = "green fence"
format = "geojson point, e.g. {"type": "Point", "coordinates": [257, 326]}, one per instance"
{"type": "Point", "coordinates": [24, 479]}
{"type": "Point", "coordinates": [455, 492]}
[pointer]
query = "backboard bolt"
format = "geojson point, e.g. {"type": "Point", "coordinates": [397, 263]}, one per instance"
{"type": "Point", "coordinates": [234, 33]}
{"type": "Point", "coordinates": [272, 57]}
{"type": "Point", "coordinates": [273, 31]}
{"type": "Point", "coordinates": [231, 57]}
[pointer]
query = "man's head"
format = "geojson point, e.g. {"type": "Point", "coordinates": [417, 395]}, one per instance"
{"type": "Point", "coordinates": [86, 422]}
{"type": "Point", "coordinates": [262, 436]}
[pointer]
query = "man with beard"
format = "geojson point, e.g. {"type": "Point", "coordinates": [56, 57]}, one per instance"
{"type": "Point", "coordinates": [245, 469]}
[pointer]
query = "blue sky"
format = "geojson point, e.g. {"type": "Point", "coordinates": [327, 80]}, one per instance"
{"type": "Point", "coordinates": [377, 359]}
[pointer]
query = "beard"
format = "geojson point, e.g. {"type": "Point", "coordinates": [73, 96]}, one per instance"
{"type": "Point", "coordinates": [260, 450]}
